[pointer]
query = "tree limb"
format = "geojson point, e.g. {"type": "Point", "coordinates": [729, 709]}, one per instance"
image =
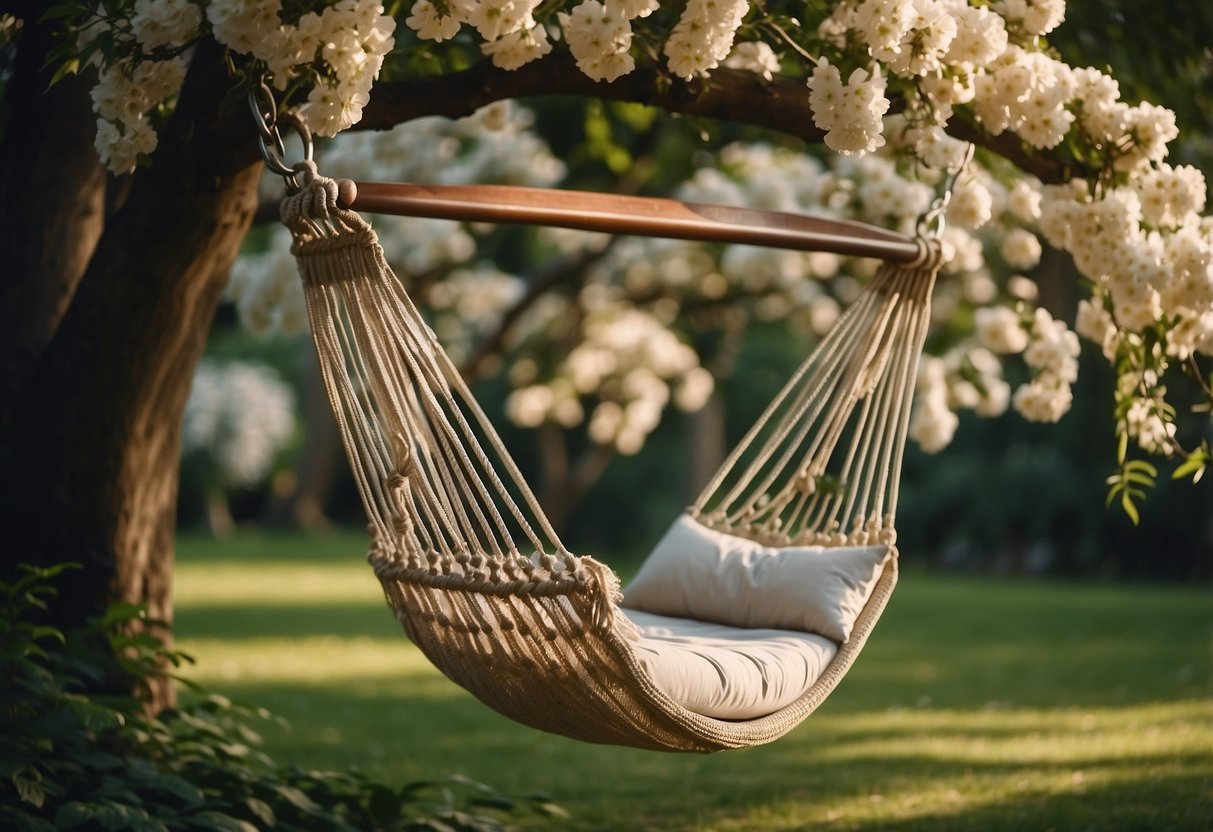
{"type": "Point", "coordinates": [781, 104]}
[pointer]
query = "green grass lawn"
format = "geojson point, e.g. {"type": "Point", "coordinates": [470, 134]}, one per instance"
{"type": "Point", "coordinates": [979, 704]}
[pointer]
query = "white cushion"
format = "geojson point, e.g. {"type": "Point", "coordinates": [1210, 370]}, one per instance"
{"type": "Point", "coordinates": [696, 572]}
{"type": "Point", "coordinates": [728, 672]}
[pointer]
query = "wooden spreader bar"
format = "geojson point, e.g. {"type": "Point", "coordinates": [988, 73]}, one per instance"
{"type": "Point", "coordinates": [617, 214]}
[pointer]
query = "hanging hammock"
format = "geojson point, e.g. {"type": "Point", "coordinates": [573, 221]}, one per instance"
{"type": "Point", "coordinates": [790, 550]}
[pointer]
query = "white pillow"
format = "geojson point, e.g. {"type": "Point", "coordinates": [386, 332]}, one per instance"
{"type": "Point", "coordinates": [696, 572]}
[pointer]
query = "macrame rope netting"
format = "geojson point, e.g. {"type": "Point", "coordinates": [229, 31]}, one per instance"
{"type": "Point", "coordinates": [426, 458]}
{"type": "Point", "coordinates": [823, 462]}
{"type": "Point", "coordinates": [472, 567]}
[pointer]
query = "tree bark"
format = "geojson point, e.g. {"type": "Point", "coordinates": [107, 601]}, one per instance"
{"type": "Point", "coordinates": [51, 216]}
{"type": "Point", "coordinates": [95, 445]}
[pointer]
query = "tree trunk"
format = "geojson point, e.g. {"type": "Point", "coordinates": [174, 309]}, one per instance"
{"type": "Point", "coordinates": [320, 465]}
{"type": "Point", "coordinates": [93, 446]}
{"type": "Point", "coordinates": [51, 215]}
{"type": "Point", "coordinates": [706, 445]}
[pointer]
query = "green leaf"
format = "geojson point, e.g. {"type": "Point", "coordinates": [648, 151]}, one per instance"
{"type": "Point", "coordinates": [262, 811]}
{"type": "Point", "coordinates": [95, 717]}
{"type": "Point", "coordinates": [1126, 502]}
{"type": "Point", "coordinates": [1141, 465]}
{"type": "Point", "coordinates": [121, 613]}
{"type": "Point", "coordinates": [74, 813]}
{"type": "Point", "coordinates": [493, 801]}
{"type": "Point", "coordinates": [28, 781]}
{"type": "Point", "coordinates": [550, 809]}
{"type": "Point", "coordinates": [69, 67]}
{"type": "Point", "coordinates": [219, 822]}
{"type": "Point", "coordinates": [1122, 447]}
{"type": "Point", "coordinates": [60, 11]}
{"type": "Point", "coordinates": [1140, 478]}
{"type": "Point", "coordinates": [113, 816]}
{"type": "Point", "coordinates": [45, 631]}
{"type": "Point", "coordinates": [296, 798]}
{"type": "Point", "coordinates": [179, 787]}
{"type": "Point", "coordinates": [1188, 467]}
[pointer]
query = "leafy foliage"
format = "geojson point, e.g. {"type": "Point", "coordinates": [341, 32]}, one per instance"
{"type": "Point", "coordinates": [74, 759]}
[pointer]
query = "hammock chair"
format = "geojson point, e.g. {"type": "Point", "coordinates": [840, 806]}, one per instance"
{"type": "Point", "coordinates": [752, 607]}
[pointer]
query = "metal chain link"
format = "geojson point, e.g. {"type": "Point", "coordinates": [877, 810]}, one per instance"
{"type": "Point", "coordinates": [933, 221]}
{"type": "Point", "coordinates": [269, 138]}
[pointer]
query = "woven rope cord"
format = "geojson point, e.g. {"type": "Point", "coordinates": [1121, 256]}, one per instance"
{"type": "Point", "coordinates": [535, 632]}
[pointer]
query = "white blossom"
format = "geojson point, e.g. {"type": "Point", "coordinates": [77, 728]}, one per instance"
{"type": "Point", "coordinates": [1043, 399]}
{"type": "Point", "coordinates": [431, 23]}
{"type": "Point", "coordinates": [754, 56]}
{"type": "Point", "coordinates": [240, 413]}
{"type": "Point", "coordinates": [600, 39]}
{"type": "Point", "coordinates": [703, 36]}
{"type": "Point", "coordinates": [1000, 330]}
{"type": "Point", "coordinates": [850, 113]}
{"type": "Point", "coordinates": [165, 23]}
{"type": "Point", "coordinates": [910, 37]}
{"type": "Point", "coordinates": [518, 47]}
{"type": "Point", "coordinates": [1020, 248]}
{"type": "Point", "coordinates": [1034, 17]}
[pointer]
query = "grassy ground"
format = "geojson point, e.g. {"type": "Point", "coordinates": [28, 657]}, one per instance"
{"type": "Point", "coordinates": [978, 704]}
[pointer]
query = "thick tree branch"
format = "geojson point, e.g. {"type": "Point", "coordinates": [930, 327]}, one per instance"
{"type": "Point", "coordinates": [728, 95]}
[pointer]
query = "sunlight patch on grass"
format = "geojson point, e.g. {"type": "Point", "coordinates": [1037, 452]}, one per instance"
{"type": "Point", "coordinates": [316, 660]}
{"type": "Point", "coordinates": [1026, 737]}
{"type": "Point", "coordinates": [228, 583]}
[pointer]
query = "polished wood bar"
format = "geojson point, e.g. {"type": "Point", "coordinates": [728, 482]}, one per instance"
{"type": "Point", "coordinates": [637, 215]}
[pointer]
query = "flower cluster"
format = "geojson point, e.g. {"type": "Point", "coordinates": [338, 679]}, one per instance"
{"type": "Point", "coordinates": [349, 39]}
{"type": "Point", "coordinates": [1145, 247]}
{"type": "Point", "coordinates": [631, 363]}
{"type": "Point", "coordinates": [165, 24]}
{"type": "Point", "coordinates": [910, 38]}
{"type": "Point", "coordinates": [242, 414]}
{"type": "Point", "coordinates": [131, 89]}
{"type": "Point", "coordinates": [850, 113]}
{"type": "Point", "coordinates": [124, 98]}
{"type": "Point", "coordinates": [1052, 353]}
{"type": "Point", "coordinates": [341, 48]}
{"type": "Point", "coordinates": [754, 56]}
{"type": "Point", "coordinates": [600, 36]}
{"type": "Point", "coordinates": [266, 290]}
{"type": "Point", "coordinates": [512, 37]}
{"type": "Point", "coordinates": [703, 36]}
{"type": "Point", "coordinates": [967, 377]}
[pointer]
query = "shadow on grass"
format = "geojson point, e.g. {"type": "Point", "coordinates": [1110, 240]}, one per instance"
{"type": "Point", "coordinates": [840, 769]}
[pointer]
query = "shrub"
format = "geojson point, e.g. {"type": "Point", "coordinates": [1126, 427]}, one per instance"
{"type": "Point", "coordinates": [71, 758]}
